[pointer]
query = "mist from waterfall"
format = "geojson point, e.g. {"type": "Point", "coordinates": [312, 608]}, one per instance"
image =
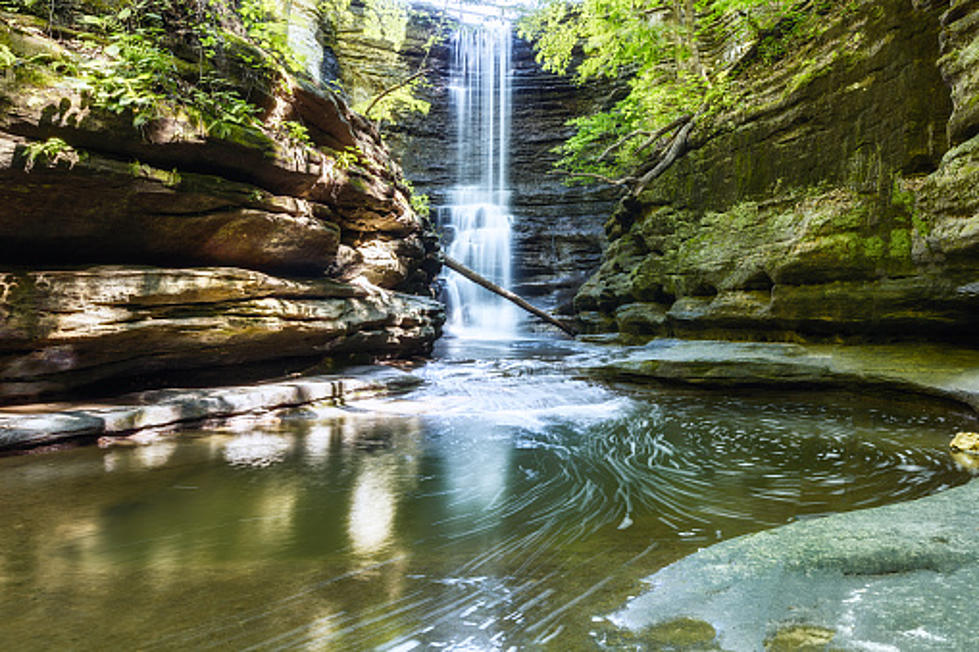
{"type": "Point", "coordinates": [477, 219]}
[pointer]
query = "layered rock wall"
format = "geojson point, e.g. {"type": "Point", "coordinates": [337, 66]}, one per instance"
{"type": "Point", "coordinates": [827, 205]}
{"type": "Point", "coordinates": [133, 252]}
{"type": "Point", "coordinates": [558, 229]}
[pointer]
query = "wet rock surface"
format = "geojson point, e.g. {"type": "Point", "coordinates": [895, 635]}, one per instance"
{"type": "Point", "coordinates": [558, 234]}
{"type": "Point", "coordinates": [66, 331]}
{"type": "Point", "coordinates": [170, 408]}
{"type": "Point", "coordinates": [924, 370]}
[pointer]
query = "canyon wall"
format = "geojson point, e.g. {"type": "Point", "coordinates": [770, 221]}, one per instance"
{"type": "Point", "coordinates": [836, 199]}
{"type": "Point", "coordinates": [137, 253]}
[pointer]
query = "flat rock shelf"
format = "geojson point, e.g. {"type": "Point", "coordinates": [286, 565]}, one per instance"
{"type": "Point", "coordinates": [36, 425]}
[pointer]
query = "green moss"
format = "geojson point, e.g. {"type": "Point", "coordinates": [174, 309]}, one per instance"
{"type": "Point", "coordinates": [921, 225]}
{"type": "Point", "coordinates": [799, 638]}
{"type": "Point", "coordinates": [170, 179]}
{"type": "Point", "coordinates": [812, 70]}
{"type": "Point", "coordinates": [900, 244]}
{"type": "Point", "coordinates": [854, 218]}
{"type": "Point", "coordinates": [22, 298]}
{"type": "Point", "coordinates": [681, 633]}
{"type": "Point", "coordinates": [743, 214]}
{"type": "Point", "coordinates": [902, 197]}
{"type": "Point", "coordinates": [873, 247]}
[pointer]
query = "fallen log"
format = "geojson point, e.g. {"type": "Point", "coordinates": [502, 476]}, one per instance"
{"type": "Point", "coordinates": [506, 294]}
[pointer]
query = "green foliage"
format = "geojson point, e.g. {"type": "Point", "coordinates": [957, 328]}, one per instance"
{"type": "Point", "coordinates": [7, 57]}
{"type": "Point", "coordinates": [136, 75]}
{"type": "Point", "coordinates": [652, 48]}
{"type": "Point", "coordinates": [137, 71]}
{"type": "Point", "coordinates": [297, 133]}
{"type": "Point", "coordinates": [269, 30]}
{"type": "Point", "coordinates": [384, 21]}
{"type": "Point", "coordinates": [381, 20]}
{"type": "Point", "coordinates": [50, 152]}
{"type": "Point", "coordinates": [420, 202]}
{"type": "Point", "coordinates": [348, 158]}
{"type": "Point", "coordinates": [398, 102]}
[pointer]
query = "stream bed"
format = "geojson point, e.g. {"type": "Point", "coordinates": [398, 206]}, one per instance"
{"type": "Point", "coordinates": [506, 502]}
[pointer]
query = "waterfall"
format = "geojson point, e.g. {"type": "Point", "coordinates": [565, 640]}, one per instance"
{"type": "Point", "coordinates": [477, 218]}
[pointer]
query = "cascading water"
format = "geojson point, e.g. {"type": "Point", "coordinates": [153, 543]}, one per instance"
{"type": "Point", "coordinates": [477, 218]}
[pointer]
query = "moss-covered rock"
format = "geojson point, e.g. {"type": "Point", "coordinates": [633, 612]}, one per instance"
{"type": "Point", "coordinates": [826, 206]}
{"type": "Point", "coordinates": [960, 67]}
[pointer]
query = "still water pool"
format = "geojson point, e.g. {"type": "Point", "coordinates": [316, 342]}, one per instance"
{"type": "Point", "coordinates": [504, 503]}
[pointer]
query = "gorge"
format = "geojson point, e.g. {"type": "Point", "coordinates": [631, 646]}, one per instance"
{"type": "Point", "coordinates": [243, 406]}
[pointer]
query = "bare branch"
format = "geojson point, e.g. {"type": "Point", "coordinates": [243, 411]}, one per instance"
{"type": "Point", "coordinates": [591, 175]}
{"type": "Point", "coordinates": [506, 294]}
{"type": "Point", "coordinates": [673, 152]}
{"type": "Point", "coordinates": [619, 143]}
{"type": "Point", "coordinates": [662, 131]}
{"type": "Point", "coordinates": [652, 137]}
{"type": "Point", "coordinates": [387, 91]}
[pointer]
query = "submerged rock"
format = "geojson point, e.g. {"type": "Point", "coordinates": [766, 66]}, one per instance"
{"type": "Point", "coordinates": [896, 577]}
{"type": "Point", "coordinates": [965, 442]}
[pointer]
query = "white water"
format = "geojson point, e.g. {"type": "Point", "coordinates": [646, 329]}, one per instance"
{"type": "Point", "coordinates": [477, 219]}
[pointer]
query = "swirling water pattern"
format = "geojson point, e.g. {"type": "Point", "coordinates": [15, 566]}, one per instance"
{"type": "Point", "coordinates": [505, 503]}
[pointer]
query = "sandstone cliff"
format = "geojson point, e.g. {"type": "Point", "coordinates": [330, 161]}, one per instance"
{"type": "Point", "coordinates": [133, 251]}
{"type": "Point", "coordinates": [837, 200]}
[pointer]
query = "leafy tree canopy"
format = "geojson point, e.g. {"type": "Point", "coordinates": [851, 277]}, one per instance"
{"type": "Point", "coordinates": [666, 57]}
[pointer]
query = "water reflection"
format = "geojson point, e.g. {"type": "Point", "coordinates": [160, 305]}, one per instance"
{"type": "Point", "coordinates": [372, 507]}
{"type": "Point", "coordinates": [256, 449]}
{"type": "Point", "coordinates": [512, 508]}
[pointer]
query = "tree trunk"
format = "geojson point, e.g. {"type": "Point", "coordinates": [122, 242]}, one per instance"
{"type": "Point", "coordinates": [506, 294]}
{"type": "Point", "coordinates": [673, 152]}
